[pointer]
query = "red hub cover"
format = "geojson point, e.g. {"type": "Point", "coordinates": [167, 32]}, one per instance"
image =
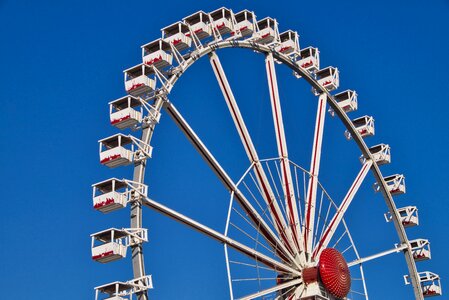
{"type": "Point", "coordinates": [334, 273]}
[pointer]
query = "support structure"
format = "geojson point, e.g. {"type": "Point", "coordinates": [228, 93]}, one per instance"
{"type": "Point", "coordinates": [291, 244]}
{"type": "Point", "coordinates": [335, 222]}
{"type": "Point", "coordinates": [274, 209]}
{"type": "Point", "coordinates": [256, 218]}
{"type": "Point", "coordinates": [287, 181]}
{"type": "Point", "coordinates": [136, 206]}
{"type": "Point", "coordinates": [314, 171]}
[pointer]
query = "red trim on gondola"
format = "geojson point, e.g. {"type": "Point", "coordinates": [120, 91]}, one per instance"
{"type": "Point", "coordinates": [115, 121]}
{"type": "Point", "coordinates": [220, 26]}
{"type": "Point", "coordinates": [419, 255]}
{"type": "Point", "coordinates": [104, 203]}
{"type": "Point", "coordinates": [110, 158]}
{"type": "Point", "coordinates": [135, 86]}
{"type": "Point", "coordinates": [307, 64]}
{"type": "Point", "coordinates": [243, 28]}
{"type": "Point", "coordinates": [176, 42]}
{"type": "Point", "coordinates": [154, 60]}
{"type": "Point", "coordinates": [395, 190]}
{"type": "Point", "coordinates": [284, 49]}
{"type": "Point", "coordinates": [102, 255]}
{"type": "Point", "coordinates": [429, 292]}
{"type": "Point", "coordinates": [265, 35]}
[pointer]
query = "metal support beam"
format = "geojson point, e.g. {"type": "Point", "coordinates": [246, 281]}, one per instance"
{"type": "Point", "coordinates": [309, 222]}
{"type": "Point", "coordinates": [254, 254]}
{"type": "Point", "coordinates": [371, 257]}
{"type": "Point", "coordinates": [267, 192]}
{"type": "Point", "coordinates": [255, 217]}
{"type": "Point", "coordinates": [276, 288]}
{"type": "Point", "coordinates": [287, 181]}
{"type": "Point", "coordinates": [335, 222]}
{"type": "Point", "coordinates": [136, 206]}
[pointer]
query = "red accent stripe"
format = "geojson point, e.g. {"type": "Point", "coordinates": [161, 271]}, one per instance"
{"type": "Point", "coordinates": [135, 86]}
{"type": "Point", "coordinates": [317, 249]}
{"type": "Point", "coordinates": [103, 203]}
{"type": "Point", "coordinates": [309, 204]}
{"type": "Point", "coordinates": [95, 257]}
{"type": "Point", "coordinates": [115, 121]}
{"type": "Point", "coordinates": [284, 171]}
{"type": "Point", "coordinates": [109, 158]}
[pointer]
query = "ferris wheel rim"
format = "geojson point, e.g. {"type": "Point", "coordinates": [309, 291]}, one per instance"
{"type": "Point", "coordinates": [285, 60]}
{"type": "Point", "coordinates": [161, 101]}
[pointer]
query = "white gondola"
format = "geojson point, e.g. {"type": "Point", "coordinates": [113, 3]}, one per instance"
{"type": "Point", "coordinates": [176, 34]}
{"type": "Point", "coordinates": [395, 184]}
{"type": "Point", "coordinates": [120, 290]}
{"type": "Point", "coordinates": [125, 112]}
{"type": "Point", "coordinates": [364, 126]}
{"type": "Point", "coordinates": [245, 23]}
{"type": "Point", "coordinates": [430, 283]}
{"type": "Point", "coordinates": [116, 150]}
{"type": "Point", "coordinates": [114, 291]}
{"type": "Point", "coordinates": [289, 43]}
{"type": "Point", "coordinates": [157, 53]}
{"type": "Point", "coordinates": [110, 195]}
{"type": "Point", "coordinates": [328, 78]}
{"type": "Point", "coordinates": [222, 20]}
{"type": "Point", "coordinates": [112, 244]}
{"type": "Point", "coordinates": [199, 25]}
{"type": "Point", "coordinates": [381, 154]}
{"type": "Point", "coordinates": [347, 100]}
{"type": "Point", "coordinates": [139, 80]}
{"type": "Point", "coordinates": [267, 31]}
{"type": "Point", "coordinates": [109, 245]}
{"type": "Point", "coordinates": [420, 249]}
{"type": "Point", "coordinates": [408, 216]}
{"type": "Point", "coordinates": [310, 59]}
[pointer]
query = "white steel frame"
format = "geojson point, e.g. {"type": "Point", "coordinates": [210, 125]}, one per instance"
{"type": "Point", "coordinates": [292, 244]}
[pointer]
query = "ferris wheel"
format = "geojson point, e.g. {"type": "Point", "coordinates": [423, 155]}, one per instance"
{"type": "Point", "coordinates": [285, 237]}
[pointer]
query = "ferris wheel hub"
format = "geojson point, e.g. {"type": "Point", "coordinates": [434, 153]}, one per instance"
{"type": "Point", "coordinates": [334, 272]}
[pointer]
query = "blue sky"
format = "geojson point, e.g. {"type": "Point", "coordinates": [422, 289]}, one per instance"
{"type": "Point", "coordinates": [62, 63]}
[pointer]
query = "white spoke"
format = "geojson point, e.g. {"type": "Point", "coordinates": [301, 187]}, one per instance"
{"type": "Point", "coordinates": [298, 194]}
{"type": "Point", "coordinates": [371, 257]}
{"type": "Point", "coordinates": [335, 222]}
{"type": "Point", "coordinates": [254, 254]}
{"type": "Point", "coordinates": [314, 171]}
{"type": "Point", "coordinates": [265, 230]}
{"type": "Point", "coordinates": [268, 195]}
{"type": "Point", "coordinates": [273, 289]}
{"type": "Point", "coordinates": [289, 192]}
{"type": "Point", "coordinates": [319, 218]}
{"type": "Point", "coordinates": [228, 270]}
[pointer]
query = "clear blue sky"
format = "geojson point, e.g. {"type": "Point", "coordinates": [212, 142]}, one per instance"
{"type": "Point", "coordinates": [62, 63]}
